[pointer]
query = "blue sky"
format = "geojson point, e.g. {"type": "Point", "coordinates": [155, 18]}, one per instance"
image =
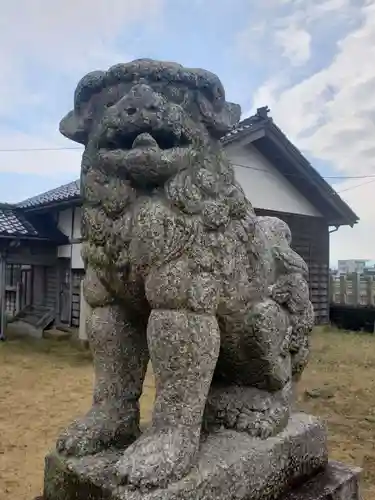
{"type": "Point", "coordinates": [300, 57]}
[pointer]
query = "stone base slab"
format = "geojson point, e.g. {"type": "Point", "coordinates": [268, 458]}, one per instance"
{"type": "Point", "coordinates": [336, 482]}
{"type": "Point", "coordinates": [230, 465]}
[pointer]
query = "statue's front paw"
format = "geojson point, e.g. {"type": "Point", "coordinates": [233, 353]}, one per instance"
{"type": "Point", "coordinates": [99, 429]}
{"type": "Point", "coordinates": [158, 457]}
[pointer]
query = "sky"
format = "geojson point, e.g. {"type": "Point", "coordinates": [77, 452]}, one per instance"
{"type": "Point", "coordinates": [310, 61]}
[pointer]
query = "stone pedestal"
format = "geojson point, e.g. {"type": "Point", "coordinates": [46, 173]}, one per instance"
{"type": "Point", "coordinates": [230, 465]}
{"type": "Point", "coordinates": [335, 482]}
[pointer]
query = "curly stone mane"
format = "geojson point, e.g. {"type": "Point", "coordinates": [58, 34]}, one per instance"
{"type": "Point", "coordinates": [210, 192]}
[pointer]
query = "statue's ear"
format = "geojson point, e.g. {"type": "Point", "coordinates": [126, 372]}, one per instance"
{"type": "Point", "coordinates": [230, 115]}
{"type": "Point", "coordinates": [218, 121]}
{"type": "Point", "coordinates": [73, 127]}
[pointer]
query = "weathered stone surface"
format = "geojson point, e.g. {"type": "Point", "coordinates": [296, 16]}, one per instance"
{"type": "Point", "coordinates": [179, 271]}
{"type": "Point", "coordinates": [336, 482]}
{"type": "Point", "coordinates": [229, 465]}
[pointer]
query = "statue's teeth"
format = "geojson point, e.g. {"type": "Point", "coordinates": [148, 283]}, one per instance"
{"type": "Point", "coordinates": [144, 140]}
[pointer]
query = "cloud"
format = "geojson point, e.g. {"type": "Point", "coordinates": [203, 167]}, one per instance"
{"type": "Point", "coordinates": [63, 34]}
{"type": "Point", "coordinates": [311, 61]}
{"type": "Point", "coordinates": [280, 30]}
{"type": "Point", "coordinates": [295, 43]}
{"type": "Point", "coordinates": [330, 115]}
{"type": "Point", "coordinates": [46, 47]}
{"type": "Point", "coordinates": [64, 38]}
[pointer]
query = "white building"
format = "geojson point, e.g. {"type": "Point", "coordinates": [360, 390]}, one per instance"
{"type": "Point", "coordinates": [351, 266]}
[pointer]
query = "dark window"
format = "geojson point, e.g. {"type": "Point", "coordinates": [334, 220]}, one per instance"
{"type": "Point", "coordinates": [12, 274]}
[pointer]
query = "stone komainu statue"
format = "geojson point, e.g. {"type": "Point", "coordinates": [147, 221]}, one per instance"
{"type": "Point", "coordinates": [179, 271]}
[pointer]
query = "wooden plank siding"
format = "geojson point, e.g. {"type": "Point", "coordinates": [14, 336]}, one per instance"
{"type": "Point", "coordinates": [77, 275]}
{"type": "Point", "coordinates": [310, 239]}
{"type": "Point", "coordinates": [51, 287]}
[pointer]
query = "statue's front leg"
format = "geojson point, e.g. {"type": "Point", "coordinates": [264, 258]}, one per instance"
{"type": "Point", "coordinates": [120, 357]}
{"type": "Point", "coordinates": [184, 347]}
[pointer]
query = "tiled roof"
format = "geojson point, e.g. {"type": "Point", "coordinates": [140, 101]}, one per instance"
{"type": "Point", "coordinates": [62, 193]}
{"type": "Point", "coordinates": [19, 223]}
{"type": "Point", "coordinates": [248, 125]}
{"type": "Point", "coordinates": [14, 223]}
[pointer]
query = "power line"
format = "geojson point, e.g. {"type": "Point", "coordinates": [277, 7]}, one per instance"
{"type": "Point", "coordinates": [249, 167]}
{"type": "Point", "coordinates": [23, 150]}
{"type": "Point", "coordinates": [355, 187]}
{"type": "Point", "coordinates": [303, 177]}
{"type": "Point", "coordinates": [324, 177]}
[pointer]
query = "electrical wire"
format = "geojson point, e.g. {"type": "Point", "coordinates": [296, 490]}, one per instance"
{"type": "Point", "coordinates": [349, 177]}
{"type": "Point", "coordinates": [303, 177]}
{"type": "Point", "coordinates": [357, 186]}
{"type": "Point", "coordinates": [64, 148]}
{"type": "Point", "coordinates": [249, 167]}
{"type": "Point", "coordinates": [22, 150]}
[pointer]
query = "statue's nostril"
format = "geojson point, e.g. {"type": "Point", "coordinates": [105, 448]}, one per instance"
{"type": "Point", "coordinates": [131, 111]}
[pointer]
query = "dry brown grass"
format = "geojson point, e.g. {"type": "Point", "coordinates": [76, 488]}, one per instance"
{"type": "Point", "coordinates": [45, 384]}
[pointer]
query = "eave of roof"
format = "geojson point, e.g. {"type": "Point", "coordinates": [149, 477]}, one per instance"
{"type": "Point", "coordinates": [15, 223]}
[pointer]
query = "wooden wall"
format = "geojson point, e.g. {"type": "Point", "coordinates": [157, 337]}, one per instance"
{"type": "Point", "coordinates": [77, 276]}
{"type": "Point", "coordinates": [310, 238]}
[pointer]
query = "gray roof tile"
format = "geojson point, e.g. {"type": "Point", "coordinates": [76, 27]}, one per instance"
{"type": "Point", "coordinates": [14, 223]}
{"type": "Point", "coordinates": [17, 223]}
{"type": "Point", "coordinates": [62, 193]}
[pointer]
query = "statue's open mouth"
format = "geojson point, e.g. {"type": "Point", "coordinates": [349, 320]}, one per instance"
{"type": "Point", "coordinates": [146, 139]}
{"type": "Point", "coordinates": [148, 156]}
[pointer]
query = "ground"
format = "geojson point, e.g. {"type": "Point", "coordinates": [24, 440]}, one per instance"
{"type": "Point", "coordinates": [45, 384]}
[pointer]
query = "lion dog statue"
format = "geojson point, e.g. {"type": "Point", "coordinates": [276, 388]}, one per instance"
{"type": "Point", "coordinates": [179, 272]}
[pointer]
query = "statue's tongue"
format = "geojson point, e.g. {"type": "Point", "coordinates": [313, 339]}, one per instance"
{"type": "Point", "coordinates": [144, 140]}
